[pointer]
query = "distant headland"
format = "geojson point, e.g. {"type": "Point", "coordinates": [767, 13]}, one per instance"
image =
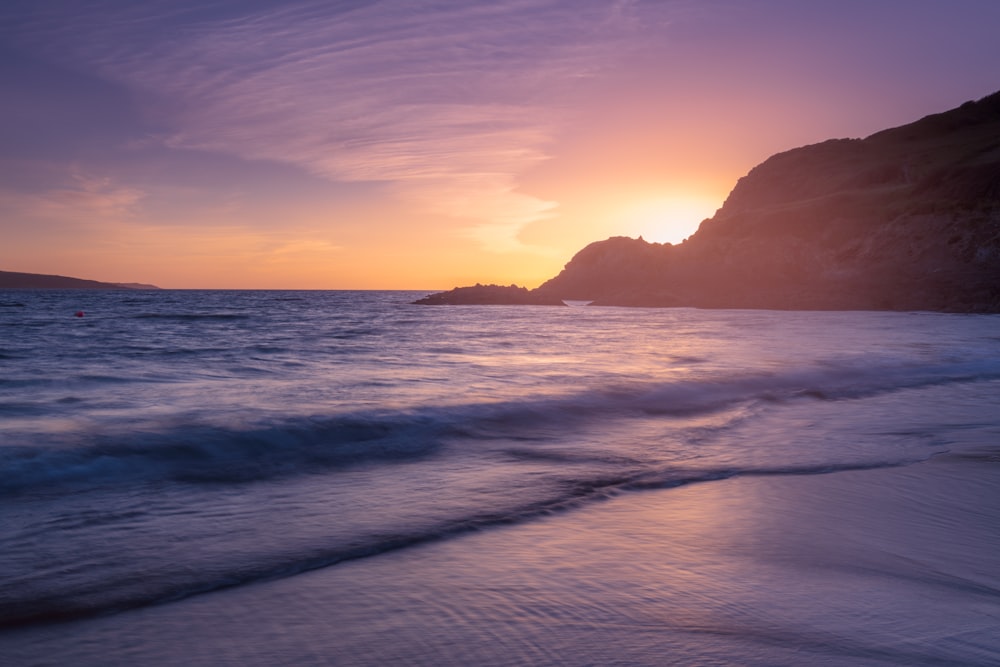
{"type": "Point", "coordinates": [15, 280]}
{"type": "Point", "coordinates": [905, 219]}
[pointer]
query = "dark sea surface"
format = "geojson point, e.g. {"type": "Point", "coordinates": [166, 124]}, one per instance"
{"type": "Point", "coordinates": [172, 445]}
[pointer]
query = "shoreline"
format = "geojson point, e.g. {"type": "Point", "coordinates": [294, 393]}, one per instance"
{"type": "Point", "coordinates": [867, 567]}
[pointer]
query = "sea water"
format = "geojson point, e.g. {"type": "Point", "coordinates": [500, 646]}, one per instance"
{"type": "Point", "coordinates": [168, 445]}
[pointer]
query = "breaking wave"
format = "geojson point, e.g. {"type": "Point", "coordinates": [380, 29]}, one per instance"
{"type": "Point", "coordinates": [198, 453]}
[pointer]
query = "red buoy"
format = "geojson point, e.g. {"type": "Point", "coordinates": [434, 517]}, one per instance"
{"type": "Point", "coordinates": [79, 313]}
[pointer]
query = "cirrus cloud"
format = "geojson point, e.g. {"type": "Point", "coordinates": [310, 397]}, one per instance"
{"type": "Point", "coordinates": [447, 102]}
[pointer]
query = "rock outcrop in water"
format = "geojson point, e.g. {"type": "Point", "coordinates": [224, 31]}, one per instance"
{"type": "Point", "coordinates": [489, 295]}
{"type": "Point", "coordinates": [16, 280]}
{"type": "Point", "coordinates": [906, 219]}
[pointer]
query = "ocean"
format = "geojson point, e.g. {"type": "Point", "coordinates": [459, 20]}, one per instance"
{"type": "Point", "coordinates": [341, 477]}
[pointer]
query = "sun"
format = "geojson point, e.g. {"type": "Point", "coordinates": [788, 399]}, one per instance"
{"type": "Point", "coordinates": [667, 219]}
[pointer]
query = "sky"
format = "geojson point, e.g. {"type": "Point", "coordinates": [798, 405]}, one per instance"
{"type": "Point", "coordinates": [424, 144]}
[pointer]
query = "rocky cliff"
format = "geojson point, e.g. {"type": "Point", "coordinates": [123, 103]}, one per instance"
{"type": "Point", "coordinates": [906, 219]}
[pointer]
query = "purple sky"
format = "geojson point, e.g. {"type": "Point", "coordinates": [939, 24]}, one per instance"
{"type": "Point", "coordinates": [424, 144]}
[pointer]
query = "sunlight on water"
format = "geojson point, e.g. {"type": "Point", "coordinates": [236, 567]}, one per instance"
{"type": "Point", "coordinates": [172, 444]}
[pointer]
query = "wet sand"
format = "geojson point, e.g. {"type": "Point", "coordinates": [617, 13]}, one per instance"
{"type": "Point", "coordinates": [897, 566]}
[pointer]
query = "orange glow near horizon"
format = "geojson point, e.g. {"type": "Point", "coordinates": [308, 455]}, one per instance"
{"type": "Point", "coordinates": [305, 146]}
{"type": "Point", "coordinates": [667, 219]}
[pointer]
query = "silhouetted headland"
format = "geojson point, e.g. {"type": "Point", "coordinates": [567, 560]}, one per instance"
{"type": "Point", "coordinates": [16, 280]}
{"type": "Point", "coordinates": [905, 219]}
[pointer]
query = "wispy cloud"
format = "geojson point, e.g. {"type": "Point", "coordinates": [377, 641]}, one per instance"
{"type": "Point", "coordinates": [447, 101]}
{"type": "Point", "coordinates": [81, 199]}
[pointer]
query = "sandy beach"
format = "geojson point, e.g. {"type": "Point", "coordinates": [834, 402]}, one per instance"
{"type": "Point", "coordinates": [897, 566]}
